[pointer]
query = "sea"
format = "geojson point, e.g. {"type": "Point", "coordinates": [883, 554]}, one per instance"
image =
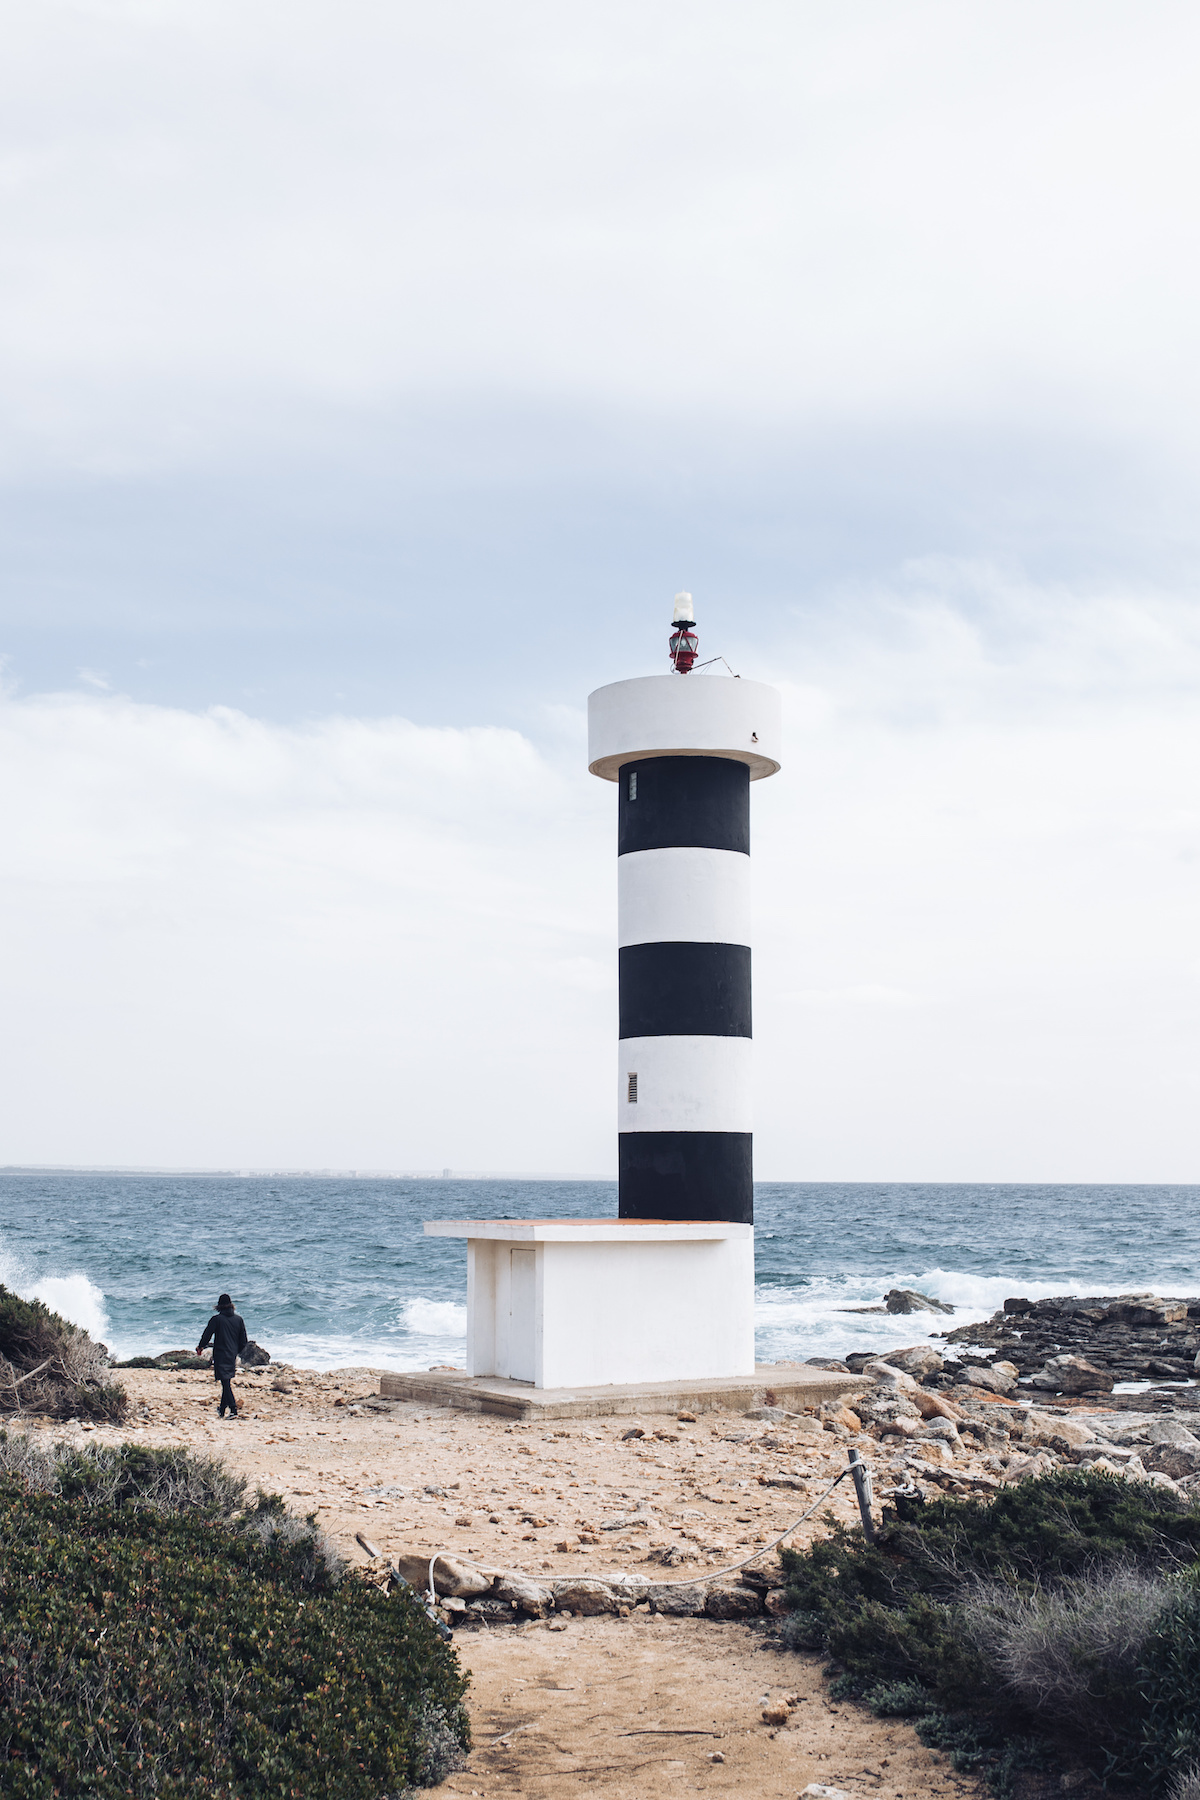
{"type": "Point", "coordinates": [331, 1271]}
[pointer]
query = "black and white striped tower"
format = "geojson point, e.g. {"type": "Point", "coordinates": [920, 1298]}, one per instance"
{"type": "Point", "coordinates": [684, 749]}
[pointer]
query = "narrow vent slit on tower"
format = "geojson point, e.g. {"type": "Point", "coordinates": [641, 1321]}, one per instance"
{"type": "Point", "coordinates": [633, 1090]}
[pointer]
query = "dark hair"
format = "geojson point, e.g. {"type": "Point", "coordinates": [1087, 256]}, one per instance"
{"type": "Point", "coordinates": [223, 1300]}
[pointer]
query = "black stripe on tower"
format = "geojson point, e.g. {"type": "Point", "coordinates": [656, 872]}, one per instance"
{"type": "Point", "coordinates": [687, 1175]}
{"type": "Point", "coordinates": [700, 801]}
{"type": "Point", "coordinates": [685, 990]}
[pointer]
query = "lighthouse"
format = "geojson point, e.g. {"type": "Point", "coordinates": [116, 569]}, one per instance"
{"type": "Point", "coordinates": [616, 1313]}
{"type": "Point", "coordinates": [682, 749]}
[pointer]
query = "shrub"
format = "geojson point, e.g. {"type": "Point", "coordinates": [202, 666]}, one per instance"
{"type": "Point", "coordinates": [1169, 1747]}
{"type": "Point", "coordinates": [1063, 1611]}
{"type": "Point", "coordinates": [1072, 1654]}
{"type": "Point", "coordinates": [51, 1366]}
{"type": "Point", "coordinates": [154, 1652]}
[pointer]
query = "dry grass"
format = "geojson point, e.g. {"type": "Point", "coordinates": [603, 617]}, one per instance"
{"type": "Point", "coordinates": [1071, 1653]}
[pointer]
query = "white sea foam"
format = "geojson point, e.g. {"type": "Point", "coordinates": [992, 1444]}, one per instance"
{"type": "Point", "coordinates": [74, 1297]}
{"type": "Point", "coordinates": [435, 1318]}
{"type": "Point", "coordinates": [815, 1318]}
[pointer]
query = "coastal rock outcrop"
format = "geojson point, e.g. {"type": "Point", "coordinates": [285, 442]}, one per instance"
{"type": "Point", "coordinates": [1125, 1337]}
{"type": "Point", "coordinates": [907, 1300]}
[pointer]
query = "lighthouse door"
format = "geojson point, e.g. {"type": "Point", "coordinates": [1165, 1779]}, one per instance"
{"type": "Point", "coordinates": [522, 1291]}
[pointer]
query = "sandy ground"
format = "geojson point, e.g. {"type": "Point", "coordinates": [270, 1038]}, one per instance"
{"type": "Point", "coordinates": [620, 1707]}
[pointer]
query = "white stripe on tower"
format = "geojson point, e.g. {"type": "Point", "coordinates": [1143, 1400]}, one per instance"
{"type": "Point", "coordinates": [686, 1084]}
{"type": "Point", "coordinates": [683, 893]}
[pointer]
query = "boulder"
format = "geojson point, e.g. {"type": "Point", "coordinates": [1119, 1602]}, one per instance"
{"type": "Point", "coordinates": [827, 1362]}
{"type": "Point", "coordinates": [1043, 1428]}
{"type": "Point", "coordinates": [887, 1375]}
{"type": "Point", "coordinates": [1169, 1431]}
{"type": "Point", "coordinates": [732, 1603]}
{"type": "Point", "coordinates": [254, 1356]}
{"type": "Point", "coordinates": [450, 1576]}
{"type": "Point", "coordinates": [531, 1597]}
{"type": "Point", "coordinates": [1018, 1307]}
{"type": "Point", "coordinates": [1073, 1375]}
{"type": "Point", "coordinates": [775, 1602]}
{"type": "Point", "coordinates": [679, 1602]}
{"type": "Point", "coordinates": [1176, 1460]}
{"type": "Point", "coordinates": [919, 1360]}
{"type": "Point", "coordinates": [907, 1300]}
{"type": "Point", "coordinates": [586, 1598]}
{"type": "Point", "coordinates": [943, 1429]}
{"type": "Point", "coordinates": [995, 1380]}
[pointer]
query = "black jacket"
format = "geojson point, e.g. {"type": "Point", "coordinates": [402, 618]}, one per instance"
{"type": "Point", "coordinates": [226, 1331]}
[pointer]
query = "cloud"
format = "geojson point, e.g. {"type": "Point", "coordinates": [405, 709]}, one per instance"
{"type": "Point", "coordinates": [211, 221]}
{"type": "Point", "coordinates": [991, 804]}
{"type": "Point", "coordinates": [367, 943]}
{"type": "Point", "coordinates": [357, 943]}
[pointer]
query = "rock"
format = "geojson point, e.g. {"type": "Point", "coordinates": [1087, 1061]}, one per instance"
{"type": "Point", "coordinates": [775, 1715]}
{"type": "Point", "coordinates": [995, 1380]}
{"type": "Point", "coordinates": [775, 1603]}
{"type": "Point", "coordinates": [1073, 1375]}
{"type": "Point", "coordinates": [933, 1450]}
{"type": "Point", "coordinates": [450, 1576]}
{"type": "Point", "coordinates": [1113, 1456]}
{"type": "Point", "coordinates": [767, 1412]}
{"type": "Point", "coordinates": [530, 1596]}
{"type": "Point", "coordinates": [584, 1599]}
{"type": "Point", "coordinates": [282, 1384]}
{"type": "Point", "coordinates": [818, 1791]}
{"type": "Point", "coordinates": [1018, 1307]}
{"type": "Point", "coordinates": [907, 1300]}
{"type": "Point", "coordinates": [254, 1356]}
{"type": "Point", "coordinates": [495, 1612]}
{"type": "Point", "coordinates": [732, 1603]}
{"type": "Point", "coordinates": [1026, 1467]}
{"type": "Point", "coordinates": [944, 1429]}
{"type": "Point", "coordinates": [887, 1375]}
{"type": "Point", "coordinates": [900, 1426]}
{"type": "Point", "coordinates": [827, 1362]}
{"type": "Point", "coordinates": [1067, 1434]}
{"type": "Point", "coordinates": [919, 1360]}
{"type": "Point", "coordinates": [1176, 1460]}
{"type": "Point", "coordinates": [679, 1602]}
{"type": "Point", "coordinates": [1169, 1431]}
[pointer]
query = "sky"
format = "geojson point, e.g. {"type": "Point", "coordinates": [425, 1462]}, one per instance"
{"type": "Point", "coordinates": [373, 377]}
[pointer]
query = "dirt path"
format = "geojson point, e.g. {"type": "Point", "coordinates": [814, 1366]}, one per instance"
{"type": "Point", "coordinates": [633, 1709]}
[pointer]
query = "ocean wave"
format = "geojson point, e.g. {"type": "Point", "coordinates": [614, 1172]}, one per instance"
{"type": "Point", "coordinates": [435, 1318]}
{"type": "Point", "coordinates": [815, 1317]}
{"type": "Point", "coordinates": [73, 1297]}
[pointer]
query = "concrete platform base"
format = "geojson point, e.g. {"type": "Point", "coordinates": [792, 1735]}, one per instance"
{"type": "Point", "coordinates": [770, 1385]}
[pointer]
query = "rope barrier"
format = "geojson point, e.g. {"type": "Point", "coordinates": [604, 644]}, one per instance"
{"type": "Point", "coordinates": [716, 1574]}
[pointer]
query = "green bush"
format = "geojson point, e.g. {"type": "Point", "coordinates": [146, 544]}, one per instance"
{"type": "Point", "coordinates": [1057, 1614]}
{"type": "Point", "coordinates": [1170, 1693]}
{"type": "Point", "coordinates": [48, 1365]}
{"type": "Point", "coordinates": [149, 1651]}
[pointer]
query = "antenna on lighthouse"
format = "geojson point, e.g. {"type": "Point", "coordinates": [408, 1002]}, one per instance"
{"type": "Point", "coordinates": [684, 645]}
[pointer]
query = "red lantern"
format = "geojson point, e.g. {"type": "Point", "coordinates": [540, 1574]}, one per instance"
{"type": "Point", "coordinates": [684, 646]}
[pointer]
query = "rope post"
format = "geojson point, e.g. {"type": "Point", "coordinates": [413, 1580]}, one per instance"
{"type": "Point", "coordinates": [862, 1487]}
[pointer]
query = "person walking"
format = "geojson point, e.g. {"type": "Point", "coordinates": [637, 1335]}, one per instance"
{"type": "Point", "coordinates": [226, 1331]}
